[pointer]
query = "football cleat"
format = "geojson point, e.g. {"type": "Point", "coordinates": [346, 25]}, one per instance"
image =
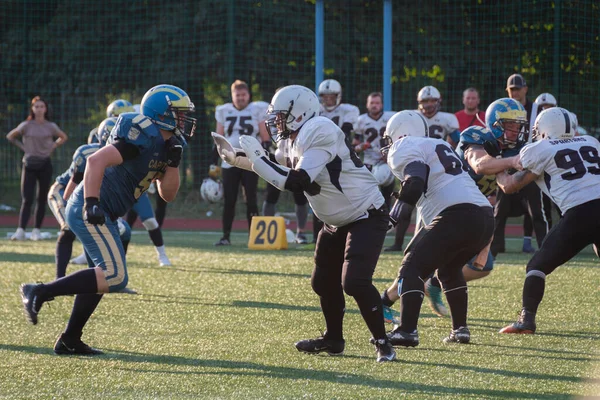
{"type": "Point", "coordinates": [391, 316]}
{"type": "Point", "coordinates": [525, 324]}
{"type": "Point", "coordinates": [528, 248]}
{"type": "Point", "coordinates": [401, 338]}
{"type": "Point", "coordinates": [385, 350]}
{"type": "Point", "coordinates": [434, 295]}
{"type": "Point", "coordinates": [320, 345]}
{"type": "Point", "coordinates": [301, 238]}
{"type": "Point", "coordinates": [79, 260]}
{"type": "Point", "coordinates": [35, 235]}
{"type": "Point", "coordinates": [223, 242]}
{"type": "Point", "coordinates": [127, 290]}
{"type": "Point", "coordinates": [460, 335]}
{"type": "Point", "coordinates": [18, 235]}
{"type": "Point", "coordinates": [33, 298]}
{"type": "Point", "coordinates": [66, 345]}
{"type": "Point", "coordinates": [163, 260]}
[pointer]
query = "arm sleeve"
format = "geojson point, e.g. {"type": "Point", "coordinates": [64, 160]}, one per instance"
{"type": "Point", "coordinates": [128, 151]}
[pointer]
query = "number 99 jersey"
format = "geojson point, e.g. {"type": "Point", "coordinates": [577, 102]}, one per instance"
{"type": "Point", "coordinates": [569, 169]}
{"type": "Point", "coordinates": [447, 182]}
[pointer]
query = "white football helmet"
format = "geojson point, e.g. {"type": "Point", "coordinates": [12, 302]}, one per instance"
{"type": "Point", "coordinates": [211, 190]}
{"type": "Point", "coordinates": [290, 108]}
{"type": "Point", "coordinates": [406, 123]}
{"type": "Point", "coordinates": [383, 174]}
{"type": "Point", "coordinates": [545, 100]}
{"type": "Point", "coordinates": [555, 123]}
{"type": "Point", "coordinates": [427, 93]}
{"type": "Point", "coordinates": [330, 86]}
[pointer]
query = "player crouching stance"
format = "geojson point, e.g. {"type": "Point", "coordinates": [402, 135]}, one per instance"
{"type": "Point", "coordinates": [458, 220]}
{"type": "Point", "coordinates": [141, 148]}
{"type": "Point", "coordinates": [343, 194]}
{"type": "Point", "coordinates": [567, 169]}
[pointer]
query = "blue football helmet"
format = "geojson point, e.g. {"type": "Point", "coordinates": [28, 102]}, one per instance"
{"type": "Point", "coordinates": [104, 130]}
{"type": "Point", "coordinates": [117, 107]}
{"type": "Point", "coordinates": [167, 106]}
{"type": "Point", "coordinates": [506, 118]}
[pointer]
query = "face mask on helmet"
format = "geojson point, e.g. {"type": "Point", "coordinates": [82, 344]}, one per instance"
{"type": "Point", "coordinates": [289, 110]}
{"type": "Point", "coordinates": [168, 107]}
{"type": "Point", "coordinates": [429, 100]}
{"type": "Point", "coordinates": [507, 120]}
{"type": "Point", "coordinates": [330, 94]}
{"type": "Point", "coordinates": [104, 130]}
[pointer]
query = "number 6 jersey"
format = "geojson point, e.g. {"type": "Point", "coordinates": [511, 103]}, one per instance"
{"type": "Point", "coordinates": [568, 169]}
{"type": "Point", "coordinates": [447, 182]}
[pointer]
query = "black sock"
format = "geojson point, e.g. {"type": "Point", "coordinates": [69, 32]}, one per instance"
{"type": "Point", "coordinates": [458, 300]}
{"type": "Point", "coordinates": [64, 250]}
{"type": "Point", "coordinates": [412, 291]}
{"type": "Point", "coordinates": [80, 282]}
{"type": "Point", "coordinates": [533, 290]}
{"type": "Point", "coordinates": [125, 245]}
{"type": "Point", "coordinates": [371, 310]}
{"type": "Point", "coordinates": [385, 299]}
{"type": "Point", "coordinates": [83, 308]}
{"type": "Point", "coordinates": [333, 311]}
{"type": "Point", "coordinates": [156, 237]}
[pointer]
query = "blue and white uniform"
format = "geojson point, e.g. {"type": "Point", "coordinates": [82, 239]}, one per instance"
{"type": "Point", "coordinates": [121, 186]}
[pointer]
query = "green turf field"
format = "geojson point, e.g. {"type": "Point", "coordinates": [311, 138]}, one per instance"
{"type": "Point", "coordinates": [221, 324]}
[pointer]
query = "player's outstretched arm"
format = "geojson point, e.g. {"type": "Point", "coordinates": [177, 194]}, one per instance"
{"type": "Point", "coordinates": [484, 164]}
{"type": "Point", "coordinates": [513, 183]}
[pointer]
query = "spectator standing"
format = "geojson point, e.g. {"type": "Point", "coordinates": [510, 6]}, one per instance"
{"type": "Point", "coordinates": [471, 115]}
{"type": "Point", "coordinates": [39, 138]}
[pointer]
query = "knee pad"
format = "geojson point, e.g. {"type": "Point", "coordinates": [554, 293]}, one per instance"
{"type": "Point", "coordinates": [489, 264]}
{"type": "Point", "coordinates": [354, 287]}
{"type": "Point", "coordinates": [410, 284]}
{"type": "Point", "coordinates": [150, 224]}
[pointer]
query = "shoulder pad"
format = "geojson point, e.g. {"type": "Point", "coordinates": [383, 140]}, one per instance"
{"type": "Point", "coordinates": [406, 150]}
{"type": "Point", "coordinates": [318, 132]}
{"type": "Point", "coordinates": [134, 128]}
{"type": "Point", "coordinates": [471, 136]}
{"type": "Point", "coordinates": [81, 155]}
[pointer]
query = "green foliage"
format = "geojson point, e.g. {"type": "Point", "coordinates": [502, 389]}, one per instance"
{"type": "Point", "coordinates": [221, 323]}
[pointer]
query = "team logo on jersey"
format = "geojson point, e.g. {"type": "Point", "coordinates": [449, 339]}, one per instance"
{"type": "Point", "coordinates": [133, 134]}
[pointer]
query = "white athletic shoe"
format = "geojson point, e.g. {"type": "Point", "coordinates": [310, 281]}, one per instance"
{"type": "Point", "coordinates": [18, 235]}
{"type": "Point", "coordinates": [35, 235]}
{"type": "Point", "coordinates": [163, 260]}
{"type": "Point", "coordinates": [79, 260]}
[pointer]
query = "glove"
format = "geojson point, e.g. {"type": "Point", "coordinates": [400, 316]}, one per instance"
{"type": "Point", "coordinates": [174, 148]}
{"type": "Point", "coordinates": [492, 147]}
{"type": "Point", "coordinates": [214, 171]}
{"type": "Point", "coordinates": [362, 147]}
{"type": "Point", "coordinates": [92, 213]}
{"type": "Point", "coordinates": [252, 148]}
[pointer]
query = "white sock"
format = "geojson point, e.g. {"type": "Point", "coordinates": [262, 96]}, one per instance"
{"type": "Point", "coordinates": [161, 250]}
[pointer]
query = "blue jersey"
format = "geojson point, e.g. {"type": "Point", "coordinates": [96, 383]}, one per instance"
{"type": "Point", "coordinates": [79, 162]}
{"type": "Point", "coordinates": [123, 184]}
{"type": "Point", "coordinates": [477, 136]}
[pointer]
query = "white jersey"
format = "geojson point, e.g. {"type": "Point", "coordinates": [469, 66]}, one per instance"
{"type": "Point", "coordinates": [344, 113]}
{"type": "Point", "coordinates": [371, 131]}
{"type": "Point", "coordinates": [241, 122]}
{"type": "Point", "coordinates": [568, 169]}
{"type": "Point", "coordinates": [447, 183]}
{"type": "Point", "coordinates": [342, 189]}
{"type": "Point", "coordinates": [441, 124]}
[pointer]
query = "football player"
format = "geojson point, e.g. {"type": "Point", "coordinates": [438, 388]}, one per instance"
{"type": "Point", "coordinates": [441, 125]}
{"type": "Point", "coordinates": [506, 118]}
{"type": "Point", "coordinates": [141, 148]}
{"type": "Point", "coordinates": [234, 120]}
{"type": "Point", "coordinates": [114, 109]}
{"type": "Point", "coordinates": [458, 223]}
{"type": "Point", "coordinates": [343, 115]}
{"type": "Point", "coordinates": [343, 194]}
{"type": "Point", "coordinates": [61, 191]}
{"type": "Point", "coordinates": [567, 169]}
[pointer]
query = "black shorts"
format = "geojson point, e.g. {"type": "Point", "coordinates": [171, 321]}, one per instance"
{"type": "Point", "coordinates": [455, 236]}
{"type": "Point", "coordinates": [578, 228]}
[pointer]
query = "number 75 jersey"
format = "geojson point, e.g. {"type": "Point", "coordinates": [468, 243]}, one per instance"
{"type": "Point", "coordinates": [447, 182]}
{"type": "Point", "coordinates": [569, 169]}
